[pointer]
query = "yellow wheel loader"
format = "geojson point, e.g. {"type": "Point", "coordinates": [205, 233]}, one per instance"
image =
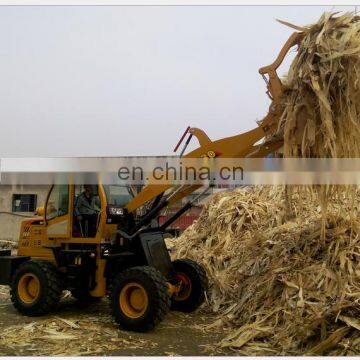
{"type": "Point", "coordinates": [122, 256]}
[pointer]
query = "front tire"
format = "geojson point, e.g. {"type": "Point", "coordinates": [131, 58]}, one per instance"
{"type": "Point", "coordinates": [139, 298]}
{"type": "Point", "coordinates": [36, 288]}
{"type": "Point", "coordinates": [194, 283]}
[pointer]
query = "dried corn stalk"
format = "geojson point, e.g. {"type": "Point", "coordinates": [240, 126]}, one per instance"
{"type": "Point", "coordinates": [322, 100]}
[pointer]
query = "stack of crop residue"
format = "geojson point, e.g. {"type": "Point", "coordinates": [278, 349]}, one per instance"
{"type": "Point", "coordinates": [277, 286]}
{"type": "Point", "coordinates": [280, 284]}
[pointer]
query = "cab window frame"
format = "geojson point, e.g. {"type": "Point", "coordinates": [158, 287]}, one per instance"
{"type": "Point", "coordinates": [47, 219]}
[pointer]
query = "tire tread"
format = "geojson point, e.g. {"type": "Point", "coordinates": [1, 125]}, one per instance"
{"type": "Point", "coordinates": [52, 295]}
{"type": "Point", "coordinates": [202, 281]}
{"type": "Point", "coordinates": [160, 297]}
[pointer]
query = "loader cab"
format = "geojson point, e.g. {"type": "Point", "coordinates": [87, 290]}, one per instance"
{"type": "Point", "coordinates": [58, 227]}
{"type": "Point", "coordinates": [61, 219]}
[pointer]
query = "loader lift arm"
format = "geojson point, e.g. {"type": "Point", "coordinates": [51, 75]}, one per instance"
{"type": "Point", "coordinates": [238, 146]}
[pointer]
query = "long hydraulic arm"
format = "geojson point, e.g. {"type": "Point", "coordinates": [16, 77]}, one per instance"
{"type": "Point", "coordinates": [238, 146]}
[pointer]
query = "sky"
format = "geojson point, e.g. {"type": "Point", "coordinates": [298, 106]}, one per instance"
{"type": "Point", "coordinates": [128, 80]}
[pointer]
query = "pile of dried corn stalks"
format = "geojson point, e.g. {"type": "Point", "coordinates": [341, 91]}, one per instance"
{"type": "Point", "coordinates": [279, 282]}
{"type": "Point", "coordinates": [277, 286]}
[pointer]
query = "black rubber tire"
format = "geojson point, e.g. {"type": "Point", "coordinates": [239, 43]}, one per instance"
{"type": "Point", "coordinates": [156, 288]}
{"type": "Point", "coordinates": [199, 282]}
{"type": "Point", "coordinates": [83, 295]}
{"type": "Point", "coordinates": [51, 287]}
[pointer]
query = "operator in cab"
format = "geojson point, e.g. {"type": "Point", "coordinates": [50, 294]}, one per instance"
{"type": "Point", "coordinates": [87, 208]}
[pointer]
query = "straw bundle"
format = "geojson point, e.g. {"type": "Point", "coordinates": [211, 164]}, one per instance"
{"type": "Point", "coordinates": [322, 100]}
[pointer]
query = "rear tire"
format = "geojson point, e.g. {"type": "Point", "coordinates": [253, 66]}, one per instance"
{"type": "Point", "coordinates": [139, 298]}
{"type": "Point", "coordinates": [195, 283]}
{"type": "Point", "coordinates": [36, 288]}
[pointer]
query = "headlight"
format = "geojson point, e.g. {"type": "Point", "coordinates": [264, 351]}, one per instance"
{"type": "Point", "coordinates": [116, 211]}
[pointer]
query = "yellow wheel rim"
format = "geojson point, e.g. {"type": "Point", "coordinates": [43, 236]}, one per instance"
{"type": "Point", "coordinates": [186, 287]}
{"type": "Point", "coordinates": [133, 300]}
{"type": "Point", "coordinates": [29, 288]}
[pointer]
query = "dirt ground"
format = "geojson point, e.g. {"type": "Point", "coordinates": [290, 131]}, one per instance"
{"type": "Point", "coordinates": [76, 329]}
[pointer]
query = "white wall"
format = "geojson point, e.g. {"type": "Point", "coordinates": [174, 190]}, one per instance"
{"type": "Point", "coordinates": [9, 221]}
